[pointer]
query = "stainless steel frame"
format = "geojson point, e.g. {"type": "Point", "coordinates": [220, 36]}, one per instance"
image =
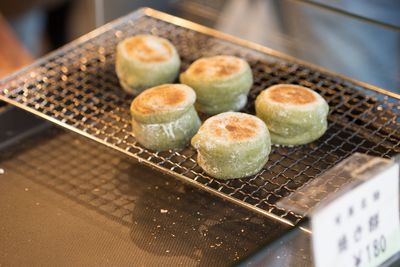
{"type": "Point", "coordinates": [76, 87]}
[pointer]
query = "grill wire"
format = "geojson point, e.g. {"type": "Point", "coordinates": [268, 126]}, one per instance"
{"type": "Point", "coordinates": [77, 86]}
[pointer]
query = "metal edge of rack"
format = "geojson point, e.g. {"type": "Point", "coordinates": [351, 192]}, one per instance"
{"type": "Point", "coordinates": [199, 28]}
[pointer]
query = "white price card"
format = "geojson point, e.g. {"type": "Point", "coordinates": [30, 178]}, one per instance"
{"type": "Point", "coordinates": [362, 226]}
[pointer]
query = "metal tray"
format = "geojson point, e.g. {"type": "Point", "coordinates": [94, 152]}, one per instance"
{"type": "Point", "coordinates": [77, 88]}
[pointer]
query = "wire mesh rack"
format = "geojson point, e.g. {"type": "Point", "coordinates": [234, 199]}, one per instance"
{"type": "Point", "coordinates": [76, 87]}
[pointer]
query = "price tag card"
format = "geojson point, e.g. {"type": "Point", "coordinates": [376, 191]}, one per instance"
{"type": "Point", "coordinates": [362, 226]}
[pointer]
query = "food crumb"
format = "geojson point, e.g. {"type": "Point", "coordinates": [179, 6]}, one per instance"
{"type": "Point", "coordinates": [163, 211]}
{"type": "Point", "coordinates": [2, 171]}
{"type": "Point", "coordinates": [26, 189]}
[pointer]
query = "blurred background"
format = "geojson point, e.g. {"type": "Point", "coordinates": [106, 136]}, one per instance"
{"type": "Point", "coordinates": [357, 38]}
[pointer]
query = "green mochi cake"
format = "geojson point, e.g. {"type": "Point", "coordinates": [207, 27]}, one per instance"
{"type": "Point", "coordinates": [144, 61]}
{"type": "Point", "coordinates": [221, 83]}
{"type": "Point", "coordinates": [294, 114]}
{"type": "Point", "coordinates": [163, 117]}
{"type": "Point", "coordinates": [232, 145]}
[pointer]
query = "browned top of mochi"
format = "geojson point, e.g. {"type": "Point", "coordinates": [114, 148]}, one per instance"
{"type": "Point", "coordinates": [165, 97]}
{"type": "Point", "coordinates": [291, 94]}
{"type": "Point", "coordinates": [148, 48]}
{"type": "Point", "coordinates": [233, 126]}
{"type": "Point", "coordinates": [217, 66]}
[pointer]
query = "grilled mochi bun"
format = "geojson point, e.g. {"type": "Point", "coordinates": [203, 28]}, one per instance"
{"type": "Point", "coordinates": [232, 145]}
{"type": "Point", "coordinates": [221, 83]}
{"type": "Point", "coordinates": [163, 117]}
{"type": "Point", "coordinates": [294, 114]}
{"type": "Point", "coordinates": [144, 61]}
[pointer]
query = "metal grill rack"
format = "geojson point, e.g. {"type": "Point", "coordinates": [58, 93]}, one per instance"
{"type": "Point", "coordinates": [76, 87]}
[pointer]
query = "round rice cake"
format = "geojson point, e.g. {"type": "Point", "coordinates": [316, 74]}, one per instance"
{"type": "Point", "coordinates": [294, 114]}
{"type": "Point", "coordinates": [144, 61]}
{"type": "Point", "coordinates": [221, 83]}
{"type": "Point", "coordinates": [232, 145]}
{"type": "Point", "coordinates": [163, 117]}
